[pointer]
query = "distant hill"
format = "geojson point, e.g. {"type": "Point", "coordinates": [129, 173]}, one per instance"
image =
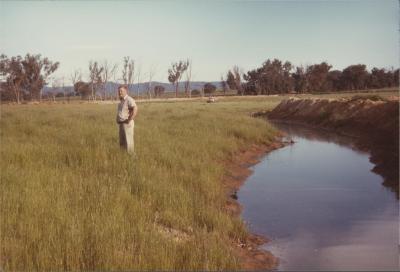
{"type": "Point", "coordinates": [111, 87]}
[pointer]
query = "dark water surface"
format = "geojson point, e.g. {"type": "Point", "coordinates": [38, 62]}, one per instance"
{"type": "Point", "coordinates": [322, 206]}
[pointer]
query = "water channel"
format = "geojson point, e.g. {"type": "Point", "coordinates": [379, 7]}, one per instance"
{"type": "Point", "coordinates": [321, 206]}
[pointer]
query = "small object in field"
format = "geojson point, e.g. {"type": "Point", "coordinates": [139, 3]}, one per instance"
{"type": "Point", "coordinates": [288, 141]}
{"type": "Point", "coordinates": [234, 195]}
{"type": "Point", "coordinates": [211, 99]}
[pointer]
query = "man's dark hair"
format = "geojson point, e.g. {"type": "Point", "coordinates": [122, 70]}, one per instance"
{"type": "Point", "coordinates": [123, 86]}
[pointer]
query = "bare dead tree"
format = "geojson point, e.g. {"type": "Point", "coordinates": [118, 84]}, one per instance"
{"type": "Point", "coordinates": [113, 71]}
{"type": "Point", "coordinates": [56, 87]}
{"type": "Point", "coordinates": [131, 70]}
{"type": "Point", "coordinates": [106, 75]}
{"type": "Point", "coordinates": [128, 72]}
{"type": "Point", "coordinates": [63, 87]}
{"type": "Point", "coordinates": [76, 76]}
{"type": "Point", "coordinates": [139, 71]}
{"type": "Point", "coordinates": [151, 73]}
{"type": "Point", "coordinates": [95, 72]}
{"type": "Point", "coordinates": [114, 75]}
{"type": "Point", "coordinates": [188, 77]}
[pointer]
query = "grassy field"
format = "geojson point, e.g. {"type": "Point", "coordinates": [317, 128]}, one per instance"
{"type": "Point", "coordinates": [72, 200]}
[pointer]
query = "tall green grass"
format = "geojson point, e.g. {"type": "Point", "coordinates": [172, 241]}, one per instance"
{"type": "Point", "coordinates": [72, 200]}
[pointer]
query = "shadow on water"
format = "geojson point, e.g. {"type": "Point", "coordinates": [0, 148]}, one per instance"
{"type": "Point", "coordinates": [321, 205]}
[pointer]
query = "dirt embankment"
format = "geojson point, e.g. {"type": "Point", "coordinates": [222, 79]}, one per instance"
{"type": "Point", "coordinates": [237, 171]}
{"type": "Point", "coordinates": [373, 121]}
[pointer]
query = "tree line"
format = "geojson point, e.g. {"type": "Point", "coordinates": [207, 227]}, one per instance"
{"type": "Point", "coordinates": [278, 77]}
{"type": "Point", "coordinates": [23, 78]}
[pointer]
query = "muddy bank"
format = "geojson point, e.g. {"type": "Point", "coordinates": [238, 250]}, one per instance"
{"type": "Point", "coordinates": [372, 121]}
{"type": "Point", "coordinates": [237, 171]}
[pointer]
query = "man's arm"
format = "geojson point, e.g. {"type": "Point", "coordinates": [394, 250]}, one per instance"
{"type": "Point", "coordinates": [132, 114]}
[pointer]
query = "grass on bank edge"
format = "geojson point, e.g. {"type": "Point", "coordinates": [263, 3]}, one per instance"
{"type": "Point", "coordinates": [70, 199]}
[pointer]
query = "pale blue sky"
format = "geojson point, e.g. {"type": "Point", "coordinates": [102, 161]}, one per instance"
{"type": "Point", "coordinates": [215, 34]}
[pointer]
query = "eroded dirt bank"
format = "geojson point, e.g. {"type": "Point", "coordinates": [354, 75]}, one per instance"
{"type": "Point", "coordinates": [373, 121]}
{"type": "Point", "coordinates": [237, 171]}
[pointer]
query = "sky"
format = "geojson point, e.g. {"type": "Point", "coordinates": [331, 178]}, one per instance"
{"type": "Point", "coordinates": [215, 35]}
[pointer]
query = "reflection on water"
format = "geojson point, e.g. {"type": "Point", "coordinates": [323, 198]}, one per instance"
{"type": "Point", "coordinates": [322, 206]}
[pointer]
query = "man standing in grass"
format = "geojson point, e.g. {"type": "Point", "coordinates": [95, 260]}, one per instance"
{"type": "Point", "coordinates": [127, 110]}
